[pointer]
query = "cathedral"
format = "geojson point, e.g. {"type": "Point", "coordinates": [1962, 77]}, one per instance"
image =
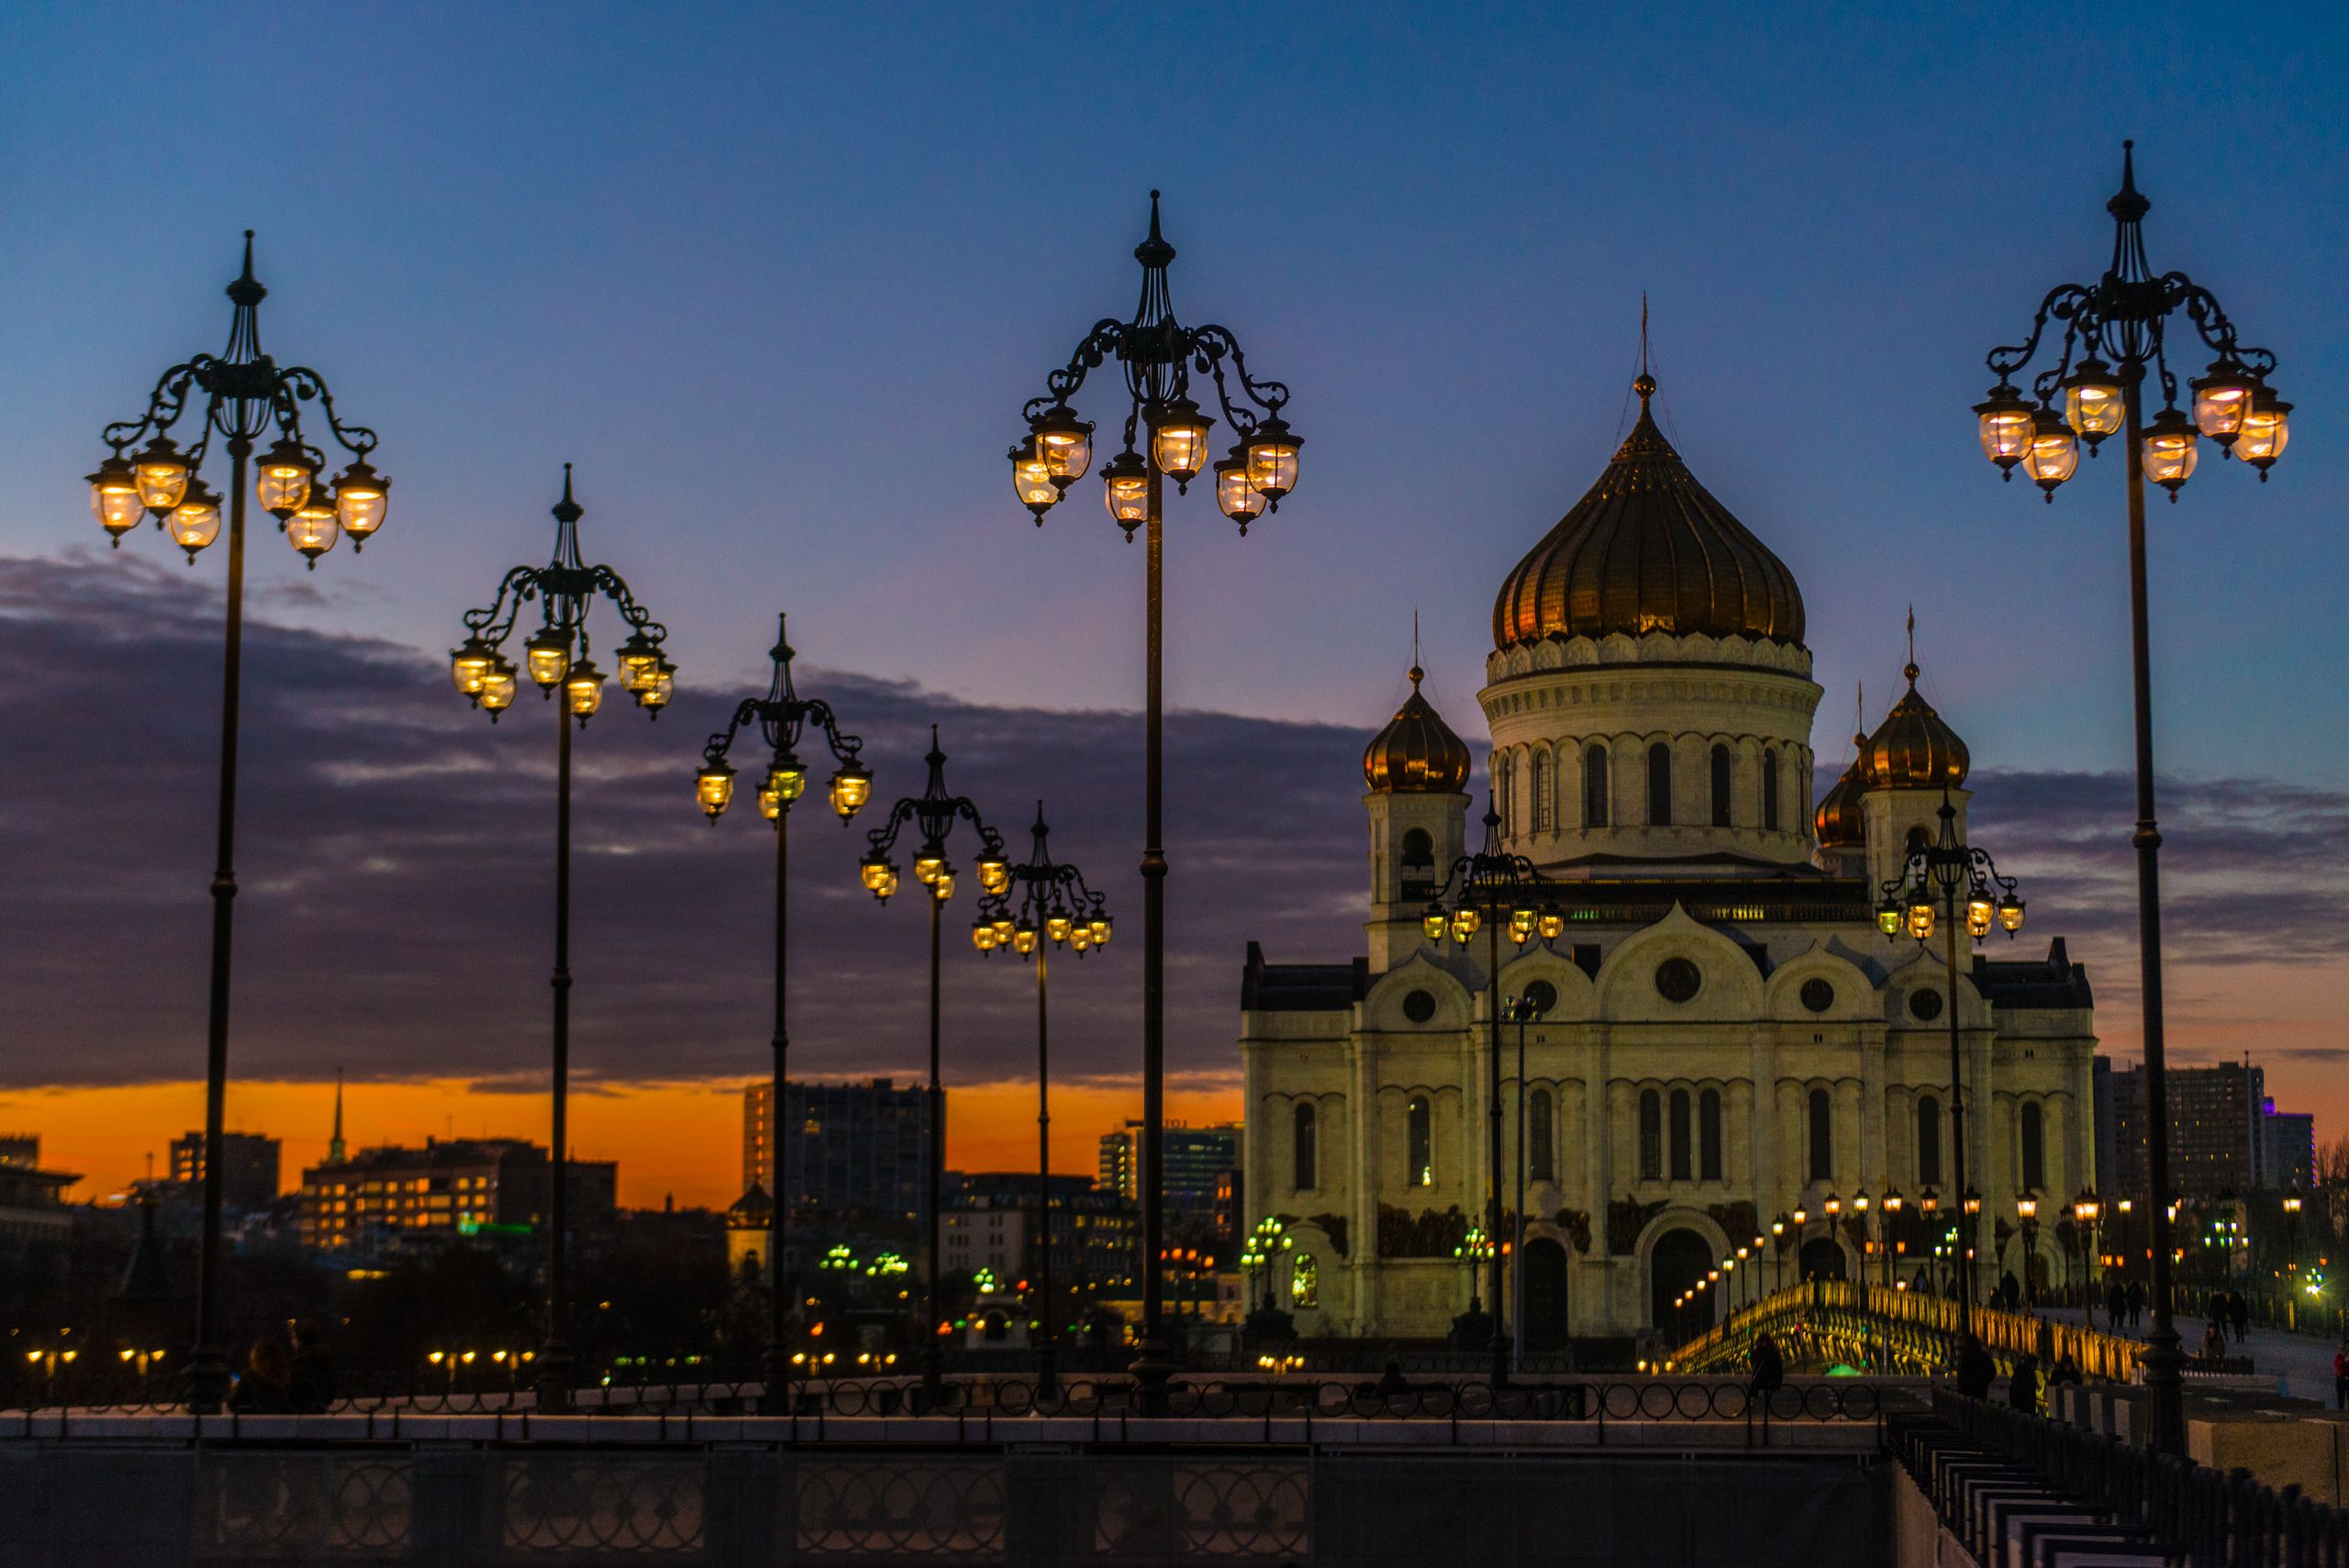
{"type": "Point", "coordinates": [1723, 1036]}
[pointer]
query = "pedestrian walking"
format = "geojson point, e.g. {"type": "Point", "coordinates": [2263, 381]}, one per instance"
{"type": "Point", "coordinates": [1769, 1368]}
{"type": "Point", "coordinates": [2116, 1304]}
{"type": "Point", "coordinates": [2239, 1313]}
{"type": "Point", "coordinates": [2136, 1302]}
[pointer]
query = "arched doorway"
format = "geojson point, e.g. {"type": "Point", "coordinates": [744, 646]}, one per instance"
{"type": "Point", "coordinates": [1545, 1295]}
{"type": "Point", "coordinates": [1822, 1259]}
{"type": "Point", "coordinates": [1678, 1260]}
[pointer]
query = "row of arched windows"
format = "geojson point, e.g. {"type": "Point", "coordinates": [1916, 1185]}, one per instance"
{"type": "Point", "coordinates": [1597, 808]}
{"type": "Point", "coordinates": [1660, 1154]}
{"type": "Point", "coordinates": [1418, 1140]}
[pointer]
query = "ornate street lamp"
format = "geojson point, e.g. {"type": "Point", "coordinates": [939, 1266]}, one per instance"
{"type": "Point", "coordinates": [1490, 891]}
{"type": "Point", "coordinates": [1474, 1249]}
{"type": "Point", "coordinates": [556, 657]}
{"type": "Point", "coordinates": [1159, 356]}
{"type": "Point", "coordinates": [238, 394]}
{"type": "Point", "coordinates": [2114, 334]}
{"type": "Point", "coordinates": [1046, 905]}
{"type": "Point", "coordinates": [1941, 884]}
{"type": "Point", "coordinates": [2027, 1210]}
{"type": "Point", "coordinates": [2086, 1211]}
{"type": "Point", "coordinates": [782, 718]}
{"type": "Point", "coordinates": [1521, 1011]}
{"type": "Point", "coordinates": [936, 813]}
{"type": "Point", "coordinates": [1267, 1241]}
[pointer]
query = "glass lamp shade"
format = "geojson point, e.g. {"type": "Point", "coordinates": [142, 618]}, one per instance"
{"type": "Point", "coordinates": [2054, 451]}
{"type": "Point", "coordinates": [878, 876]}
{"type": "Point", "coordinates": [2005, 426]}
{"type": "Point", "coordinates": [162, 475]}
{"type": "Point", "coordinates": [2011, 914]}
{"type": "Point", "coordinates": [497, 689]}
{"type": "Point", "coordinates": [637, 660]}
{"type": "Point", "coordinates": [655, 695]}
{"type": "Point", "coordinates": [994, 874]}
{"type": "Point", "coordinates": [1057, 926]}
{"type": "Point", "coordinates": [714, 787]}
{"type": "Point", "coordinates": [1004, 926]}
{"type": "Point", "coordinates": [1233, 493]}
{"type": "Point", "coordinates": [114, 496]}
{"type": "Point", "coordinates": [1080, 937]}
{"type": "Point", "coordinates": [787, 777]}
{"type": "Point", "coordinates": [1433, 924]}
{"type": "Point", "coordinates": [769, 807]}
{"type": "Point", "coordinates": [1973, 1203]}
{"type": "Point", "coordinates": [548, 655]}
{"type": "Point", "coordinates": [310, 535]}
{"type": "Point", "coordinates": [2267, 426]}
{"type": "Point", "coordinates": [1023, 939]}
{"type": "Point", "coordinates": [1978, 914]}
{"type": "Point", "coordinates": [1522, 920]}
{"type": "Point", "coordinates": [195, 521]}
{"type": "Point", "coordinates": [1887, 918]}
{"type": "Point", "coordinates": [1272, 459]}
{"type": "Point", "coordinates": [2094, 403]}
{"type": "Point", "coordinates": [944, 888]}
{"type": "Point", "coordinates": [1031, 478]}
{"type": "Point", "coordinates": [281, 478]}
{"type": "Point", "coordinates": [1100, 927]}
{"type": "Point", "coordinates": [469, 666]}
{"type": "Point", "coordinates": [2169, 453]}
{"type": "Point", "coordinates": [2084, 1209]}
{"type": "Point", "coordinates": [316, 515]}
{"type": "Point", "coordinates": [1125, 485]}
{"type": "Point", "coordinates": [2223, 395]}
{"type": "Point", "coordinates": [583, 690]}
{"type": "Point", "coordinates": [1892, 1202]}
{"type": "Point", "coordinates": [1178, 441]}
{"type": "Point", "coordinates": [928, 864]}
{"type": "Point", "coordinates": [850, 788]}
{"type": "Point", "coordinates": [1920, 919]}
{"type": "Point", "coordinates": [982, 935]}
{"type": "Point", "coordinates": [1551, 924]}
{"type": "Point", "coordinates": [1860, 1201]}
{"type": "Point", "coordinates": [2026, 1206]}
{"type": "Point", "coordinates": [360, 495]}
{"type": "Point", "coordinates": [1067, 444]}
{"type": "Point", "coordinates": [1834, 1206]}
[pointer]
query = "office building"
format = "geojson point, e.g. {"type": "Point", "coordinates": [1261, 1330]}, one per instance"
{"type": "Point", "coordinates": [2220, 1142]}
{"type": "Point", "coordinates": [847, 1146]}
{"type": "Point", "coordinates": [464, 1187]}
{"type": "Point", "coordinates": [989, 1222]}
{"type": "Point", "coordinates": [249, 1164]}
{"type": "Point", "coordinates": [1195, 1158]}
{"type": "Point", "coordinates": [2287, 1148]}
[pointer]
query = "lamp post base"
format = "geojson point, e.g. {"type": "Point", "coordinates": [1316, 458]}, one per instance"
{"type": "Point", "coordinates": [775, 1397]}
{"type": "Point", "coordinates": [1152, 1372]}
{"type": "Point", "coordinates": [208, 1381]}
{"type": "Point", "coordinates": [553, 1381]}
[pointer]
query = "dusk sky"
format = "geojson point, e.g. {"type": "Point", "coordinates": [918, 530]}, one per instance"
{"type": "Point", "coordinates": [779, 284]}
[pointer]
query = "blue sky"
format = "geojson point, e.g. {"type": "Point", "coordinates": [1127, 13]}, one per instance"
{"type": "Point", "coordinates": [779, 281]}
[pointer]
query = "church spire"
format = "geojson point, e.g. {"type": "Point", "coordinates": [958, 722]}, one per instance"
{"type": "Point", "coordinates": [1645, 385]}
{"type": "Point", "coordinates": [334, 1145]}
{"type": "Point", "coordinates": [1417, 674]}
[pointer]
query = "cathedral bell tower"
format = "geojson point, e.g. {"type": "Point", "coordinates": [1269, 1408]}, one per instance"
{"type": "Point", "coordinates": [1418, 773]}
{"type": "Point", "coordinates": [1913, 758]}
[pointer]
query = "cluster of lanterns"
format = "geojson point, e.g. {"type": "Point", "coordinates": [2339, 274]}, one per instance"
{"type": "Point", "coordinates": [485, 677]}
{"type": "Point", "coordinates": [1260, 469]}
{"type": "Point", "coordinates": [162, 481]}
{"type": "Point", "coordinates": [2232, 407]}
{"type": "Point", "coordinates": [1917, 916]}
{"type": "Point", "coordinates": [784, 782]}
{"type": "Point", "coordinates": [1062, 928]}
{"type": "Point", "coordinates": [1524, 923]}
{"type": "Point", "coordinates": [933, 870]}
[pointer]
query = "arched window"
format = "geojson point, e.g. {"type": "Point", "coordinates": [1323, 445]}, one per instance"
{"type": "Point", "coordinates": [1418, 851]}
{"type": "Point", "coordinates": [1929, 1140]}
{"type": "Point", "coordinates": [1539, 1135]}
{"type": "Point", "coordinates": [1594, 787]}
{"type": "Point", "coordinates": [1650, 1136]}
{"type": "Point", "coordinates": [1305, 1282]}
{"type": "Point", "coordinates": [1302, 1150]}
{"type": "Point", "coordinates": [1503, 767]}
{"type": "Point", "coordinates": [1770, 790]}
{"type": "Point", "coordinates": [1822, 1137]}
{"type": "Point", "coordinates": [2034, 1147]}
{"type": "Point", "coordinates": [1418, 1142]}
{"type": "Point", "coordinates": [1720, 786]}
{"type": "Point", "coordinates": [1708, 1135]}
{"type": "Point", "coordinates": [1680, 1135]}
{"type": "Point", "coordinates": [1660, 784]}
{"type": "Point", "coordinates": [1544, 793]}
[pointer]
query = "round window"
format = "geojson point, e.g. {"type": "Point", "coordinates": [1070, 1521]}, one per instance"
{"type": "Point", "coordinates": [1818, 995]}
{"type": "Point", "coordinates": [1926, 1005]}
{"type": "Point", "coordinates": [1678, 979]}
{"type": "Point", "coordinates": [1419, 1006]}
{"type": "Point", "coordinates": [1542, 995]}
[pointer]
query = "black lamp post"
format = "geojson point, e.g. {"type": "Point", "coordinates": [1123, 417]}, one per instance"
{"type": "Point", "coordinates": [557, 657]}
{"type": "Point", "coordinates": [783, 718]}
{"type": "Point", "coordinates": [1047, 905]}
{"type": "Point", "coordinates": [935, 812]}
{"type": "Point", "coordinates": [1158, 356]}
{"type": "Point", "coordinates": [238, 394]}
{"type": "Point", "coordinates": [2115, 336]}
{"type": "Point", "coordinates": [1491, 890]}
{"type": "Point", "coordinates": [1947, 882]}
{"type": "Point", "coordinates": [1522, 1010]}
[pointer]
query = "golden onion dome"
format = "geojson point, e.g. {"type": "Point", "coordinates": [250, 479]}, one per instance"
{"type": "Point", "coordinates": [1914, 748]}
{"type": "Point", "coordinates": [1838, 821]}
{"type": "Point", "coordinates": [1648, 548]}
{"type": "Point", "coordinates": [1416, 754]}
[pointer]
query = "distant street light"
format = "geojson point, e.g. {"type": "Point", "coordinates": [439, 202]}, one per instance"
{"type": "Point", "coordinates": [556, 656]}
{"type": "Point", "coordinates": [240, 395]}
{"type": "Point", "coordinates": [2115, 333]}
{"type": "Point", "coordinates": [782, 718]}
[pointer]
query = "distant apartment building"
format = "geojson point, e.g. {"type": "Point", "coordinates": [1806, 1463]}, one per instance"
{"type": "Point", "coordinates": [2225, 1135]}
{"type": "Point", "coordinates": [32, 1201]}
{"type": "Point", "coordinates": [846, 1146]}
{"type": "Point", "coordinates": [462, 1188]}
{"type": "Point", "coordinates": [989, 1222]}
{"type": "Point", "coordinates": [1198, 1159]}
{"type": "Point", "coordinates": [249, 1165]}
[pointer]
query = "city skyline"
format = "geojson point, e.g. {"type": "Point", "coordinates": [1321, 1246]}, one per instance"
{"type": "Point", "coordinates": [778, 303]}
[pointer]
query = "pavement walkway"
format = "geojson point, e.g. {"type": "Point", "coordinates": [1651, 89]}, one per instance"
{"type": "Point", "coordinates": [2302, 1363]}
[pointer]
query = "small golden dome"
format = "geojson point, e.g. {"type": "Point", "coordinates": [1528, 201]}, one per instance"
{"type": "Point", "coordinates": [1838, 821]}
{"type": "Point", "coordinates": [1416, 754]}
{"type": "Point", "coordinates": [1914, 748]}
